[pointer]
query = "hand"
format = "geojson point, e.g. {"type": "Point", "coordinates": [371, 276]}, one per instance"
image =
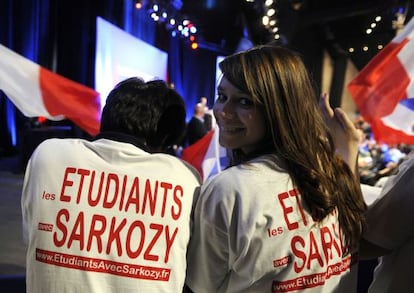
{"type": "Point", "coordinates": [344, 133]}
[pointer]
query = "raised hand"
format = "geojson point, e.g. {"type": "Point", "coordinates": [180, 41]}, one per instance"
{"type": "Point", "coordinates": [345, 135]}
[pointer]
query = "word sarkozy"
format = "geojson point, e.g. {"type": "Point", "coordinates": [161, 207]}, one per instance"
{"type": "Point", "coordinates": [320, 246]}
{"type": "Point", "coordinates": [114, 234]}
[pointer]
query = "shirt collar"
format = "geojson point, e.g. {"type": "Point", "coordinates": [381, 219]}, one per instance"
{"type": "Point", "coordinates": [122, 137]}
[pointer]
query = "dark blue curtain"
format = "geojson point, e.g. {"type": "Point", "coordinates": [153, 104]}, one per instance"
{"type": "Point", "coordinates": [60, 35]}
{"type": "Point", "coordinates": [192, 72]}
{"type": "Point", "coordinates": [22, 26]}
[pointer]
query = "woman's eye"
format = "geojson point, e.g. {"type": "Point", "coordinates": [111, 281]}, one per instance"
{"type": "Point", "coordinates": [245, 102]}
{"type": "Point", "coordinates": [220, 98]}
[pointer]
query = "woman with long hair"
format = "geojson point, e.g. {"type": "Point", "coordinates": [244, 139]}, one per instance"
{"type": "Point", "coordinates": [287, 214]}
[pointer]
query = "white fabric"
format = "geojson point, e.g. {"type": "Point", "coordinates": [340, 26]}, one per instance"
{"type": "Point", "coordinates": [19, 79]}
{"type": "Point", "coordinates": [251, 232]}
{"type": "Point", "coordinates": [370, 193]}
{"type": "Point", "coordinates": [390, 222]}
{"type": "Point", "coordinates": [105, 216]}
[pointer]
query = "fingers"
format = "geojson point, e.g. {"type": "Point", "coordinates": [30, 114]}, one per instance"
{"type": "Point", "coordinates": [325, 107]}
{"type": "Point", "coordinates": [346, 123]}
{"type": "Point", "coordinates": [343, 119]}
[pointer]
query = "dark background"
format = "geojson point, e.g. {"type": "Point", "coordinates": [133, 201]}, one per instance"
{"type": "Point", "coordinates": [60, 35]}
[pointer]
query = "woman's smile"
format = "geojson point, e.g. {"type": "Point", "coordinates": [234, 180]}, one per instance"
{"type": "Point", "coordinates": [241, 122]}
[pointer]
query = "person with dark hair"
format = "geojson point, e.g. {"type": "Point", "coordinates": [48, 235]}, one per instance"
{"type": "Point", "coordinates": [112, 214]}
{"type": "Point", "coordinates": [287, 214]}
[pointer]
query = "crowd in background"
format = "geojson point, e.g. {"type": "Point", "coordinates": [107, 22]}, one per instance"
{"type": "Point", "coordinates": [377, 160]}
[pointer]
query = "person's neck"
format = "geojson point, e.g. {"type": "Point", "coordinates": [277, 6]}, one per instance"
{"type": "Point", "coordinates": [124, 137]}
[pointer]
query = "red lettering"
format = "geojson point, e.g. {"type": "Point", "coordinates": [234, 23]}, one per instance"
{"type": "Point", "coordinates": [309, 250]}
{"type": "Point", "coordinates": [63, 213]}
{"type": "Point", "coordinates": [275, 231]}
{"type": "Point", "coordinates": [120, 237]}
{"type": "Point", "coordinates": [78, 236]}
{"type": "Point", "coordinates": [327, 240]}
{"type": "Point", "coordinates": [133, 197]}
{"type": "Point", "coordinates": [158, 228]}
{"type": "Point", "coordinates": [338, 246]}
{"type": "Point", "coordinates": [297, 240]}
{"type": "Point", "coordinates": [166, 186]}
{"type": "Point", "coordinates": [178, 194]}
{"type": "Point", "coordinates": [295, 194]}
{"type": "Point", "coordinates": [94, 202]}
{"type": "Point", "coordinates": [48, 196]}
{"type": "Point", "coordinates": [121, 202]}
{"type": "Point", "coordinates": [169, 241]}
{"type": "Point", "coordinates": [45, 227]}
{"type": "Point", "coordinates": [96, 232]}
{"type": "Point", "coordinates": [287, 210]}
{"type": "Point", "coordinates": [107, 203]}
{"type": "Point", "coordinates": [66, 182]}
{"type": "Point", "coordinates": [150, 196]}
{"type": "Point", "coordinates": [137, 252]}
{"type": "Point", "coordinates": [82, 173]}
{"type": "Point", "coordinates": [313, 251]}
{"type": "Point", "coordinates": [112, 190]}
{"type": "Point", "coordinates": [114, 235]}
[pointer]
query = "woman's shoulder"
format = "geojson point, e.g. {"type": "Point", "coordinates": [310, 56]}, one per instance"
{"type": "Point", "coordinates": [245, 176]}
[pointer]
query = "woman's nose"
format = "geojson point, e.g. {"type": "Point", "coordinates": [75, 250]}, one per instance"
{"type": "Point", "coordinates": [224, 110]}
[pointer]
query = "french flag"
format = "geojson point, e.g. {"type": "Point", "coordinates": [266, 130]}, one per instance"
{"type": "Point", "coordinates": [206, 155]}
{"type": "Point", "coordinates": [384, 90]}
{"type": "Point", "coordinates": [36, 91]}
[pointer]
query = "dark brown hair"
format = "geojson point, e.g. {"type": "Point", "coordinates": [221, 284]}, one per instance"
{"type": "Point", "coordinates": [278, 82]}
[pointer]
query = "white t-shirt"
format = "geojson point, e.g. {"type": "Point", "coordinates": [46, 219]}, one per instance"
{"type": "Point", "coordinates": [106, 216]}
{"type": "Point", "coordinates": [390, 224]}
{"type": "Point", "coordinates": [253, 233]}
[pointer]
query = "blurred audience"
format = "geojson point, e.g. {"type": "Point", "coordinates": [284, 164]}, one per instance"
{"type": "Point", "coordinates": [376, 160]}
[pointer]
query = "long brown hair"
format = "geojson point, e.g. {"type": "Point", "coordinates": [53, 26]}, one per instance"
{"type": "Point", "coordinates": [278, 82]}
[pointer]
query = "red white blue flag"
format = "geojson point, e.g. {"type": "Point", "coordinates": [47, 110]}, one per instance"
{"type": "Point", "coordinates": [206, 155]}
{"type": "Point", "coordinates": [384, 90]}
{"type": "Point", "coordinates": [36, 91]}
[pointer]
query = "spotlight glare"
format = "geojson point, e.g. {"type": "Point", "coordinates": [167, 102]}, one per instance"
{"type": "Point", "coordinates": [271, 12]}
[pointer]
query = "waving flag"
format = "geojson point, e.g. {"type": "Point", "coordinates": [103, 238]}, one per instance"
{"type": "Point", "coordinates": [384, 90]}
{"type": "Point", "coordinates": [206, 155]}
{"type": "Point", "coordinates": [36, 91]}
